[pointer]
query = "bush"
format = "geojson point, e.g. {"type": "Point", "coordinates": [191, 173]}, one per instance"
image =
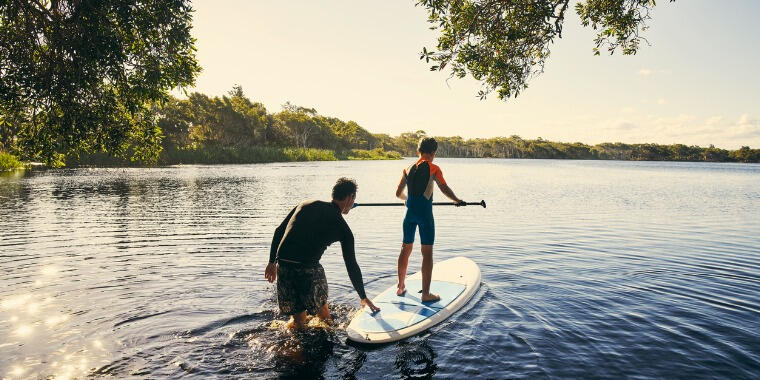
{"type": "Point", "coordinates": [9, 162]}
{"type": "Point", "coordinates": [301, 154]}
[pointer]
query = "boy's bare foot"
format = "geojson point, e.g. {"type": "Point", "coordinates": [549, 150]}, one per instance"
{"type": "Point", "coordinates": [401, 290]}
{"type": "Point", "coordinates": [430, 297]}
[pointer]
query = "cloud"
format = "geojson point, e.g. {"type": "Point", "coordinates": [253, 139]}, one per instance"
{"type": "Point", "coordinates": [624, 126]}
{"type": "Point", "coordinates": [628, 109]}
{"type": "Point", "coordinates": [661, 101]}
{"type": "Point", "coordinates": [747, 127]}
{"type": "Point", "coordinates": [723, 132]}
{"type": "Point", "coordinates": [715, 120]}
{"type": "Point", "coordinates": [716, 130]}
{"type": "Point", "coordinates": [636, 128]}
{"type": "Point", "coordinates": [649, 72]}
{"type": "Point", "coordinates": [746, 119]}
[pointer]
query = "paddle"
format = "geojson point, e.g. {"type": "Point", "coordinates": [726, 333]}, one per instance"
{"type": "Point", "coordinates": [481, 203]}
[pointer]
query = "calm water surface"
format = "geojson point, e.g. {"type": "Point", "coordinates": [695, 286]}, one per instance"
{"type": "Point", "coordinates": [590, 269]}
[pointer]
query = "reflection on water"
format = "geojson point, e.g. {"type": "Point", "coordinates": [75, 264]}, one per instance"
{"type": "Point", "coordinates": [590, 269]}
{"type": "Point", "coordinates": [416, 360]}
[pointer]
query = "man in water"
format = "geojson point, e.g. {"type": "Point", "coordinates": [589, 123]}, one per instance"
{"type": "Point", "coordinates": [297, 246]}
{"type": "Point", "coordinates": [418, 180]}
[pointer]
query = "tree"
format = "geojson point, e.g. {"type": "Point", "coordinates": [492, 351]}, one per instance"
{"type": "Point", "coordinates": [745, 154]}
{"type": "Point", "coordinates": [176, 122]}
{"type": "Point", "coordinates": [300, 121]}
{"type": "Point", "coordinates": [253, 114]}
{"type": "Point", "coordinates": [85, 75]}
{"type": "Point", "coordinates": [504, 43]}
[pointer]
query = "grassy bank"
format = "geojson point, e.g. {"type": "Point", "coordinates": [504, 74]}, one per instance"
{"type": "Point", "coordinates": [245, 155]}
{"type": "Point", "coordinates": [9, 162]}
{"type": "Point", "coordinates": [242, 155]}
{"type": "Point", "coordinates": [256, 154]}
{"type": "Point", "coordinates": [375, 154]}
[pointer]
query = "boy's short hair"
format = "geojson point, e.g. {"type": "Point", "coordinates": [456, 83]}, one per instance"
{"type": "Point", "coordinates": [343, 188]}
{"type": "Point", "coordinates": [427, 145]}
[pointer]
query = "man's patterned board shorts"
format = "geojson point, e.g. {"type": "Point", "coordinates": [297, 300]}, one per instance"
{"type": "Point", "coordinates": [301, 288]}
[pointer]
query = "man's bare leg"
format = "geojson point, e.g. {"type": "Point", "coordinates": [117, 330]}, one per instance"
{"type": "Point", "coordinates": [297, 321]}
{"type": "Point", "coordinates": [403, 263]}
{"type": "Point", "coordinates": [427, 273]}
{"type": "Point", "coordinates": [324, 314]}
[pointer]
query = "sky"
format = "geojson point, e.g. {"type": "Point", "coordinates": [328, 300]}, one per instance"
{"type": "Point", "coordinates": [698, 83]}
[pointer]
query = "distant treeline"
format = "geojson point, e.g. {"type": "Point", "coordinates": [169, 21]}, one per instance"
{"type": "Point", "coordinates": [233, 123]}
{"type": "Point", "coordinates": [517, 147]}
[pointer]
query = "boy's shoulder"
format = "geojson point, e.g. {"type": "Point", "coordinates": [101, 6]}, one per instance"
{"type": "Point", "coordinates": [434, 167]}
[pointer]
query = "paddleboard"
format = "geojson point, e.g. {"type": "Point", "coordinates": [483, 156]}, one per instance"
{"type": "Point", "coordinates": [454, 280]}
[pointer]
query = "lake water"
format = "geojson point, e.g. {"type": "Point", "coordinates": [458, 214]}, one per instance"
{"type": "Point", "coordinates": [590, 269]}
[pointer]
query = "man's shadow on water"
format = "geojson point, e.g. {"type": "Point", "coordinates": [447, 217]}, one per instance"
{"type": "Point", "coordinates": [307, 353]}
{"type": "Point", "coordinates": [304, 355]}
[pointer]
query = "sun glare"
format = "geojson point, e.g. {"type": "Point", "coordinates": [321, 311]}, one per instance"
{"type": "Point", "coordinates": [49, 270]}
{"type": "Point", "coordinates": [15, 302]}
{"type": "Point", "coordinates": [16, 371]}
{"type": "Point", "coordinates": [56, 320]}
{"type": "Point", "coordinates": [24, 330]}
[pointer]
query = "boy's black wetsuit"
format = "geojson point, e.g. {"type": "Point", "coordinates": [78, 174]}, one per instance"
{"type": "Point", "coordinates": [298, 245]}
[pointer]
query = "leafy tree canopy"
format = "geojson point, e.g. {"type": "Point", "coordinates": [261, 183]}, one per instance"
{"type": "Point", "coordinates": [504, 43]}
{"type": "Point", "coordinates": [84, 75]}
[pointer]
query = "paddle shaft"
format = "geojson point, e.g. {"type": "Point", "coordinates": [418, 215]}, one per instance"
{"type": "Point", "coordinates": [481, 203]}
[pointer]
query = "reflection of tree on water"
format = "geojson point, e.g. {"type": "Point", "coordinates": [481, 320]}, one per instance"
{"type": "Point", "coordinates": [416, 360]}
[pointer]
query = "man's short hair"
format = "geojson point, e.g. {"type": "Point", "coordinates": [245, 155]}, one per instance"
{"type": "Point", "coordinates": [427, 145]}
{"type": "Point", "coordinates": [343, 188]}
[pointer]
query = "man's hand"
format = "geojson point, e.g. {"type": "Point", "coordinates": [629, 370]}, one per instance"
{"type": "Point", "coordinates": [460, 202]}
{"type": "Point", "coordinates": [271, 272]}
{"type": "Point", "coordinates": [367, 302]}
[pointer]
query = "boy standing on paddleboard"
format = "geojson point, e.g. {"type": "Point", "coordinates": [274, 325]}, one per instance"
{"type": "Point", "coordinates": [418, 180]}
{"type": "Point", "coordinates": [297, 246]}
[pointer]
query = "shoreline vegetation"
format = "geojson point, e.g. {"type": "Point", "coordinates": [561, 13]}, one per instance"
{"type": "Point", "coordinates": [232, 129]}
{"type": "Point", "coordinates": [237, 155]}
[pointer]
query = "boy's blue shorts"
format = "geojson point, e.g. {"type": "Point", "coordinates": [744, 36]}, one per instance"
{"type": "Point", "coordinates": [419, 212]}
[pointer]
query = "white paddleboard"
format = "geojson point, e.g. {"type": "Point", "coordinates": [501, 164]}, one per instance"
{"type": "Point", "coordinates": [454, 280]}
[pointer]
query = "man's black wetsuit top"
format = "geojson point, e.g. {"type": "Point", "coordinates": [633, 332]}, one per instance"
{"type": "Point", "coordinates": [307, 231]}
